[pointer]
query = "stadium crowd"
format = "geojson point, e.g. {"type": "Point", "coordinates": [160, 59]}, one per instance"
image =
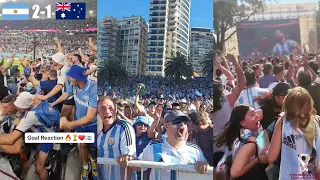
{"type": "Point", "coordinates": [45, 24]}
{"type": "Point", "coordinates": [53, 93]}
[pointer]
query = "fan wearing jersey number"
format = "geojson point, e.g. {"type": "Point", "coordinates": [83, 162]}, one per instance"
{"type": "Point", "coordinates": [117, 138]}
{"type": "Point", "coordinates": [171, 149]}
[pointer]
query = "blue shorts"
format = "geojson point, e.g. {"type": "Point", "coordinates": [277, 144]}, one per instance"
{"type": "Point", "coordinates": [92, 129]}
{"type": "Point", "coordinates": [46, 147]}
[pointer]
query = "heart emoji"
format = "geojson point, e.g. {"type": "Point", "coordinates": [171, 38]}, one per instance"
{"type": "Point", "coordinates": [81, 137]}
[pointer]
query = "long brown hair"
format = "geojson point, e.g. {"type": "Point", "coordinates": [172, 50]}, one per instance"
{"type": "Point", "coordinates": [298, 107]}
{"type": "Point", "coordinates": [231, 131]}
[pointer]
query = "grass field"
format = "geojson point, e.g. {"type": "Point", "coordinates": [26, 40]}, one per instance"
{"type": "Point", "coordinates": [15, 62]}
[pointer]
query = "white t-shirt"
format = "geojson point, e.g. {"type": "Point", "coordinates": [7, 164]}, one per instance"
{"type": "Point", "coordinates": [62, 78]}
{"type": "Point", "coordinates": [30, 121]}
{"type": "Point", "coordinates": [162, 151]}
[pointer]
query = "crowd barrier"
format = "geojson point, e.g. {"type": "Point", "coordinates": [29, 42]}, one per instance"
{"type": "Point", "coordinates": [183, 172]}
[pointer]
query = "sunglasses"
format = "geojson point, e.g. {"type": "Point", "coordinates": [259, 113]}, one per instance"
{"type": "Point", "coordinates": [140, 124]}
{"type": "Point", "coordinates": [180, 120]}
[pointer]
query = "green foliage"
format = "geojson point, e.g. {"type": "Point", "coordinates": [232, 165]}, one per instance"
{"type": "Point", "coordinates": [177, 67]}
{"type": "Point", "coordinates": [227, 13]}
{"type": "Point", "coordinates": [112, 72]}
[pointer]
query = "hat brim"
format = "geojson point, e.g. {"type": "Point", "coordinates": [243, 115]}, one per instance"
{"type": "Point", "coordinates": [79, 78]}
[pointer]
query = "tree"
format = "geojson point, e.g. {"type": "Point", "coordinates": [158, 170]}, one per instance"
{"type": "Point", "coordinates": [207, 63]}
{"type": "Point", "coordinates": [227, 13]}
{"type": "Point", "coordinates": [177, 67]}
{"type": "Point", "coordinates": [112, 72]}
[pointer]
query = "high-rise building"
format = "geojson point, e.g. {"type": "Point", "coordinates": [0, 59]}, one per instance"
{"type": "Point", "coordinates": [168, 32]}
{"type": "Point", "coordinates": [134, 35]}
{"type": "Point", "coordinates": [201, 42]}
{"type": "Point", "coordinates": [124, 40]}
{"type": "Point", "coordinates": [109, 39]}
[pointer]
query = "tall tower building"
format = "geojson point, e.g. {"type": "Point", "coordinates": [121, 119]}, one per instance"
{"type": "Point", "coordinates": [134, 35]}
{"type": "Point", "coordinates": [201, 42]}
{"type": "Point", "coordinates": [109, 39]}
{"type": "Point", "coordinates": [168, 32]}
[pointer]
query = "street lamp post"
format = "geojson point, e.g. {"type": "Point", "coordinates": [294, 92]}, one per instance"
{"type": "Point", "coordinates": [35, 43]}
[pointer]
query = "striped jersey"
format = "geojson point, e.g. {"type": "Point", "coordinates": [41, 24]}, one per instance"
{"type": "Point", "coordinates": [247, 96]}
{"type": "Point", "coordinates": [161, 151]}
{"type": "Point", "coordinates": [118, 140]}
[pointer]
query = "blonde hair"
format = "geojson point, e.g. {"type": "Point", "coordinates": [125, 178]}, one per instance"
{"type": "Point", "coordinates": [298, 107]}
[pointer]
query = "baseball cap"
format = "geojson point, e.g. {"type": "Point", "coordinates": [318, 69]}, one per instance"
{"type": "Point", "coordinates": [281, 89]}
{"type": "Point", "coordinates": [24, 100]}
{"type": "Point", "coordinates": [142, 119]}
{"type": "Point", "coordinates": [174, 114]}
{"type": "Point", "coordinates": [59, 58]}
{"type": "Point", "coordinates": [77, 72]}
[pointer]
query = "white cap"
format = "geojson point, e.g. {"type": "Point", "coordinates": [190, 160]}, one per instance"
{"type": "Point", "coordinates": [59, 58]}
{"type": "Point", "coordinates": [183, 100]}
{"type": "Point", "coordinates": [24, 100]}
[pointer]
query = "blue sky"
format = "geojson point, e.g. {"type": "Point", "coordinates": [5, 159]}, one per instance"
{"type": "Point", "coordinates": [201, 10]}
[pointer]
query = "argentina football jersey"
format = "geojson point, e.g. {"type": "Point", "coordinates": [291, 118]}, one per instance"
{"type": "Point", "coordinates": [161, 151]}
{"type": "Point", "coordinates": [118, 140]}
{"type": "Point", "coordinates": [84, 98]}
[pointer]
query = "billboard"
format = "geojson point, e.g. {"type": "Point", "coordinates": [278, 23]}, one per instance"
{"type": "Point", "coordinates": [271, 37]}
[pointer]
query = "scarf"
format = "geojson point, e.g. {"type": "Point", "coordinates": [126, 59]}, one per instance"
{"type": "Point", "coordinates": [223, 164]}
{"type": "Point", "coordinates": [291, 163]}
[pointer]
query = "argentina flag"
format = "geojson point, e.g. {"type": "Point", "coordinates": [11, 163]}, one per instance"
{"type": "Point", "coordinates": [15, 11]}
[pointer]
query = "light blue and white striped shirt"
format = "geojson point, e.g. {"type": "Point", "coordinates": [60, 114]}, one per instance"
{"type": "Point", "coordinates": [118, 140]}
{"type": "Point", "coordinates": [247, 96]}
{"type": "Point", "coordinates": [162, 151]}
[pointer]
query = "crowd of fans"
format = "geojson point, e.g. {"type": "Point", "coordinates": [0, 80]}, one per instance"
{"type": "Point", "coordinates": [42, 41]}
{"type": "Point", "coordinates": [156, 86]}
{"type": "Point", "coordinates": [151, 114]}
{"type": "Point", "coordinates": [261, 121]}
{"type": "Point", "coordinates": [45, 24]}
{"type": "Point", "coordinates": [53, 93]}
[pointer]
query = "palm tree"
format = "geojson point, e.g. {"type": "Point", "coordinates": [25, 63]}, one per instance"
{"type": "Point", "coordinates": [112, 72]}
{"type": "Point", "coordinates": [207, 63]}
{"type": "Point", "coordinates": [177, 67]}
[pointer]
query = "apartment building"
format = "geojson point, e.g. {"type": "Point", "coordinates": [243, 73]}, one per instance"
{"type": "Point", "coordinates": [201, 42]}
{"type": "Point", "coordinates": [109, 39]}
{"type": "Point", "coordinates": [134, 35]}
{"type": "Point", "coordinates": [169, 26]}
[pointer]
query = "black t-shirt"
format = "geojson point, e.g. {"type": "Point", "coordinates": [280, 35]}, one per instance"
{"type": "Point", "coordinates": [314, 90]}
{"type": "Point", "coordinates": [11, 73]}
{"type": "Point", "coordinates": [3, 89]}
{"type": "Point", "coordinates": [269, 115]}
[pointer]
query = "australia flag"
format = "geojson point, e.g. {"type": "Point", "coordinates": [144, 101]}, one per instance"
{"type": "Point", "coordinates": [70, 11]}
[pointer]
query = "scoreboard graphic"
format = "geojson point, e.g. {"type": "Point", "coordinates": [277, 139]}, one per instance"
{"type": "Point", "coordinates": [58, 11]}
